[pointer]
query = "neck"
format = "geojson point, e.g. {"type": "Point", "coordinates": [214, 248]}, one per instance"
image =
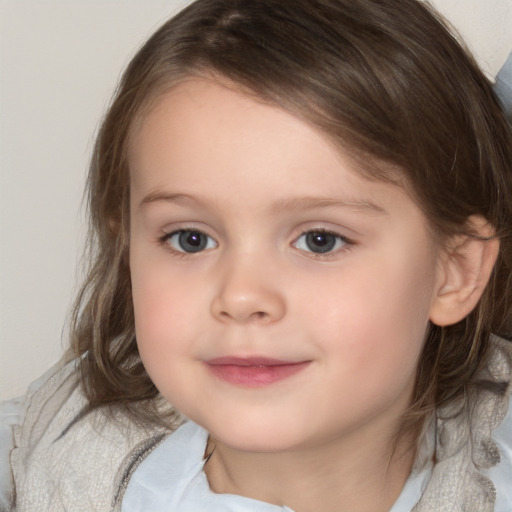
{"type": "Point", "coordinates": [342, 474]}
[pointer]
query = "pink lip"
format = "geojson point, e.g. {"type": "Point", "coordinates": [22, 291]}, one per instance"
{"type": "Point", "coordinates": [253, 371]}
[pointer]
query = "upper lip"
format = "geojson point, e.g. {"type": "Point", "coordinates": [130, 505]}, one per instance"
{"type": "Point", "coordinates": [249, 361]}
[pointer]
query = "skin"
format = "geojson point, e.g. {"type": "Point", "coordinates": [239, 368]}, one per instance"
{"type": "Point", "coordinates": [254, 179]}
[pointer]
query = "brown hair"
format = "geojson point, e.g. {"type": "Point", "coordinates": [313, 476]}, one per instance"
{"type": "Point", "coordinates": [385, 80]}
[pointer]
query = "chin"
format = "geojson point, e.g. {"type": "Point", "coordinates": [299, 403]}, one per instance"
{"type": "Point", "coordinates": [262, 438]}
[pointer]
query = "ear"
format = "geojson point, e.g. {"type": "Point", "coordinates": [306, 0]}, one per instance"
{"type": "Point", "coordinates": [464, 270]}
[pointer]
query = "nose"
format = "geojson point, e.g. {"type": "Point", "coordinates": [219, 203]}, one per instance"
{"type": "Point", "coordinates": [248, 292]}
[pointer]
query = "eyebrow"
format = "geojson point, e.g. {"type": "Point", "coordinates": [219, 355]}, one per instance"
{"type": "Point", "coordinates": [165, 197]}
{"type": "Point", "coordinates": [292, 204]}
{"type": "Point", "coordinates": [308, 203]}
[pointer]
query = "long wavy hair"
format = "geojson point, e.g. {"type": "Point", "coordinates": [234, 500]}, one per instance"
{"type": "Point", "coordinates": [383, 79]}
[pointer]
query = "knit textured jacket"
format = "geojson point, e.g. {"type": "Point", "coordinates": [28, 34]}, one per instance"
{"type": "Point", "coordinates": [67, 458]}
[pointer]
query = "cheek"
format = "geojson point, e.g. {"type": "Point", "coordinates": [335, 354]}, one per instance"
{"type": "Point", "coordinates": [162, 318]}
{"type": "Point", "coordinates": [373, 320]}
{"type": "Point", "coordinates": [164, 332]}
{"type": "Point", "coordinates": [162, 307]}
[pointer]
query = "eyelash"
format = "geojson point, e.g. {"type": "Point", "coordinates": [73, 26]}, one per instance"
{"type": "Point", "coordinates": [336, 239]}
{"type": "Point", "coordinates": [167, 238]}
{"type": "Point", "coordinates": [332, 251]}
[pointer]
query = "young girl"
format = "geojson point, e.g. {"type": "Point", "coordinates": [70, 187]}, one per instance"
{"type": "Point", "coordinates": [302, 225]}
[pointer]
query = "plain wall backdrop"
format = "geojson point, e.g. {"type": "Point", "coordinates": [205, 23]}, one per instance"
{"type": "Point", "coordinates": [59, 63]}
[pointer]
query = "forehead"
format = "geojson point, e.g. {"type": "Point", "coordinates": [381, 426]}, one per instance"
{"type": "Point", "coordinates": [201, 110]}
{"type": "Point", "coordinates": [202, 133]}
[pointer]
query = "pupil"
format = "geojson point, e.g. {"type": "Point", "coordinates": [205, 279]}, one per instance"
{"type": "Point", "coordinates": [192, 241]}
{"type": "Point", "coordinates": [320, 242]}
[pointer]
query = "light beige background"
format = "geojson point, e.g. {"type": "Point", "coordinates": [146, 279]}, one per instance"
{"type": "Point", "coordinates": [59, 62]}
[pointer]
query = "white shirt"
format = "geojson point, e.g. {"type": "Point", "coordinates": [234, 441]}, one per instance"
{"type": "Point", "coordinates": [171, 478]}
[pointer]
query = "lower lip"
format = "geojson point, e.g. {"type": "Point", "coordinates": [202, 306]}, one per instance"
{"type": "Point", "coordinates": [255, 376]}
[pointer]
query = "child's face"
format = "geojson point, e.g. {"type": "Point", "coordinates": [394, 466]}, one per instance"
{"type": "Point", "coordinates": [281, 299]}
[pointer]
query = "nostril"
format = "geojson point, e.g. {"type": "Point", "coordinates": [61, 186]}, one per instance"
{"type": "Point", "coordinates": [257, 315]}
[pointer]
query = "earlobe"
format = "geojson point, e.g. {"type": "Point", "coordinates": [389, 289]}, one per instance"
{"type": "Point", "coordinates": [464, 271]}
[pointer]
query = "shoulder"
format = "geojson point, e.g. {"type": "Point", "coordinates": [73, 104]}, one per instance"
{"type": "Point", "coordinates": [67, 457]}
{"type": "Point", "coordinates": [501, 473]}
{"type": "Point", "coordinates": [473, 468]}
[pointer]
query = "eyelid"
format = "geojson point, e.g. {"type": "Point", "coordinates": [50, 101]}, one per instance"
{"type": "Point", "coordinates": [169, 229]}
{"type": "Point", "coordinates": [168, 235]}
{"type": "Point", "coordinates": [347, 243]}
{"type": "Point", "coordinates": [343, 243]}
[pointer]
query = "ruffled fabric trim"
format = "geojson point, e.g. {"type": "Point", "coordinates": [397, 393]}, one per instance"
{"type": "Point", "coordinates": [67, 458]}
{"type": "Point", "coordinates": [465, 448]}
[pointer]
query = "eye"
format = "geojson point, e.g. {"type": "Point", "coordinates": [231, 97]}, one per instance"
{"type": "Point", "coordinates": [320, 242]}
{"type": "Point", "coordinates": [190, 241]}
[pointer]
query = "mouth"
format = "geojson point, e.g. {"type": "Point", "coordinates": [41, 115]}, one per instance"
{"type": "Point", "coordinates": [253, 371]}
